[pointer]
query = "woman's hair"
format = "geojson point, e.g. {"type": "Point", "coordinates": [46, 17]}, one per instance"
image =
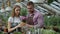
{"type": "Point", "coordinates": [13, 11]}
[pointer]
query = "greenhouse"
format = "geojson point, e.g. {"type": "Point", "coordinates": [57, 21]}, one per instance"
{"type": "Point", "coordinates": [50, 9]}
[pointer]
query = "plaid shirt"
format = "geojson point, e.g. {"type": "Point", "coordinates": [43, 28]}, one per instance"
{"type": "Point", "coordinates": [37, 19]}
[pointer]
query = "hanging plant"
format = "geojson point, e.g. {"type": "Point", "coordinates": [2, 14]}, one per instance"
{"type": "Point", "coordinates": [50, 1]}
{"type": "Point", "coordinates": [23, 12]}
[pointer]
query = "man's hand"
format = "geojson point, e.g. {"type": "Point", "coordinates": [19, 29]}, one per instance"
{"type": "Point", "coordinates": [30, 26]}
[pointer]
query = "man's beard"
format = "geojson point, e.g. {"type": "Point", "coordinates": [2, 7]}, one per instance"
{"type": "Point", "coordinates": [32, 11]}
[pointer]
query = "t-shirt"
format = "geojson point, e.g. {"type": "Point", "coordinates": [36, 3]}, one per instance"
{"type": "Point", "coordinates": [14, 21]}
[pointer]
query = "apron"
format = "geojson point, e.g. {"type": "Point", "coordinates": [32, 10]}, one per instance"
{"type": "Point", "coordinates": [12, 26]}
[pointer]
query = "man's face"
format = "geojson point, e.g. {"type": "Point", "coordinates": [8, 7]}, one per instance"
{"type": "Point", "coordinates": [30, 8]}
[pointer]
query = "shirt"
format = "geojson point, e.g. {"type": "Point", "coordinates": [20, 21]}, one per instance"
{"type": "Point", "coordinates": [30, 20]}
{"type": "Point", "coordinates": [15, 21]}
{"type": "Point", "coordinates": [37, 19]}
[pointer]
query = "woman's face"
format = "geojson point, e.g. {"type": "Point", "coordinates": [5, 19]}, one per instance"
{"type": "Point", "coordinates": [17, 11]}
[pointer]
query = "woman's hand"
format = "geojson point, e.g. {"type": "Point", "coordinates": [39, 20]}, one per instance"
{"type": "Point", "coordinates": [18, 25]}
{"type": "Point", "coordinates": [22, 24]}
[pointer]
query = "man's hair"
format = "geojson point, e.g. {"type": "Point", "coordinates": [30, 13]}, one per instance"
{"type": "Point", "coordinates": [30, 3]}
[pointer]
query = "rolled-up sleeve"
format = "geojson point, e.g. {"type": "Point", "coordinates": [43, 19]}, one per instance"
{"type": "Point", "coordinates": [22, 17]}
{"type": "Point", "coordinates": [40, 21]}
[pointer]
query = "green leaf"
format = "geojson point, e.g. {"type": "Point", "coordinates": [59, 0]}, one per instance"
{"type": "Point", "coordinates": [23, 12]}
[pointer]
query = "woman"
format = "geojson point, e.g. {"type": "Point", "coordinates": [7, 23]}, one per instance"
{"type": "Point", "coordinates": [14, 22]}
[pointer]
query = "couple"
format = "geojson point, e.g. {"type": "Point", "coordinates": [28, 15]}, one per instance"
{"type": "Point", "coordinates": [34, 18]}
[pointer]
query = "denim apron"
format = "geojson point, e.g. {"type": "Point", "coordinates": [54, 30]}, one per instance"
{"type": "Point", "coordinates": [14, 25]}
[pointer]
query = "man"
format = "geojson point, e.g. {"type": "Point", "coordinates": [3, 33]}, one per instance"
{"type": "Point", "coordinates": [34, 17]}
